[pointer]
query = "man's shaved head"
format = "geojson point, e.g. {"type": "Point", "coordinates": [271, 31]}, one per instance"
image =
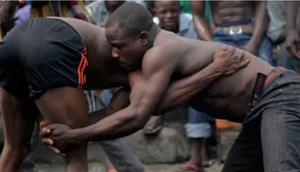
{"type": "Point", "coordinates": [131, 33]}
{"type": "Point", "coordinates": [131, 17]}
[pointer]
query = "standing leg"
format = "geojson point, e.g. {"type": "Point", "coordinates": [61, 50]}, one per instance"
{"type": "Point", "coordinates": [280, 135]}
{"type": "Point", "coordinates": [29, 162]}
{"type": "Point", "coordinates": [197, 130]}
{"type": "Point", "coordinates": [246, 152]}
{"type": "Point", "coordinates": [121, 156]}
{"type": "Point", "coordinates": [19, 118]}
{"type": "Point", "coordinates": [117, 150]}
{"type": "Point", "coordinates": [67, 105]}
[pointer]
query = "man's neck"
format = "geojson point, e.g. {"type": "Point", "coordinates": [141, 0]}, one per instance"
{"type": "Point", "coordinates": [154, 31]}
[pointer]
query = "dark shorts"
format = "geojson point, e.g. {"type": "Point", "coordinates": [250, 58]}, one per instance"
{"type": "Point", "coordinates": [39, 55]}
{"type": "Point", "coordinates": [270, 137]}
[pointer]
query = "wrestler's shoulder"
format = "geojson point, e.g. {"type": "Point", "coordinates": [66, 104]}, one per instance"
{"type": "Point", "coordinates": [160, 54]}
{"type": "Point", "coordinates": [167, 40]}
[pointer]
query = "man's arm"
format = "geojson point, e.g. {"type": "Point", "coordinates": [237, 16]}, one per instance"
{"type": "Point", "coordinates": [119, 101]}
{"type": "Point", "coordinates": [201, 26]}
{"type": "Point", "coordinates": [227, 61]}
{"type": "Point", "coordinates": [260, 25]}
{"type": "Point", "coordinates": [146, 94]}
{"type": "Point", "coordinates": [291, 8]}
{"type": "Point", "coordinates": [144, 97]}
{"type": "Point", "coordinates": [183, 90]}
{"type": "Point", "coordinates": [8, 9]}
{"type": "Point", "coordinates": [291, 13]}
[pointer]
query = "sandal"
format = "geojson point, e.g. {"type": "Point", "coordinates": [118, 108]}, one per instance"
{"type": "Point", "coordinates": [112, 170]}
{"type": "Point", "coordinates": [190, 168]}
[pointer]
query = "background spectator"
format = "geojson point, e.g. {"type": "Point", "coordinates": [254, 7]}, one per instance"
{"type": "Point", "coordinates": [100, 10]}
{"type": "Point", "coordinates": [277, 31]}
{"type": "Point", "coordinates": [239, 23]}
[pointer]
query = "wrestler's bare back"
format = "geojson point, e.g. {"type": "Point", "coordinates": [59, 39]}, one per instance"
{"type": "Point", "coordinates": [226, 97]}
{"type": "Point", "coordinates": [102, 71]}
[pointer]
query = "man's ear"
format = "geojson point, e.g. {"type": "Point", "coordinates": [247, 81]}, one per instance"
{"type": "Point", "coordinates": [144, 37]}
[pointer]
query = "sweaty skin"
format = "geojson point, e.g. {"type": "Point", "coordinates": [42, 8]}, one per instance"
{"type": "Point", "coordinates": [148, 88]}
{"type": "Point", "coordinates": [232, 11]}
{"type": "Point", "coordinates": [104, 71]}
{"type": "Point", "coordinates": [174, 57]}
{"type": "Point", "coordinates": [66, 105]}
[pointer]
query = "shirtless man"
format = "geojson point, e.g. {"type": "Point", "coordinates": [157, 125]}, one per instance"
{"type": "Point", "coordinates": [242, 24]}
{"type": "Point", "coordinates": [46, 74]}
{"type": "Point", "coordinates": [270, 138]}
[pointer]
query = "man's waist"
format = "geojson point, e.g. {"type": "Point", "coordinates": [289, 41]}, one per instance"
{"type": "Point", "coordinates": [237, 27]}
{"type": "Point", "coordinates": [262, 83]}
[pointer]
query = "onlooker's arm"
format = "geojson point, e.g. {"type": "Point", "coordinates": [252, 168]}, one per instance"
{"type": "Point", "coordinates": [291, 13]}
{"type": "Point", "coordinates": [292, 34]}
{"type": "Point", "coordinates": [201, 26]}
{"type": "Point", "coordinates": [260, 25]}
{"type": "Point", "coordinates": [261, 21]}
{"type": "Point", "coordinates": [8, 9]}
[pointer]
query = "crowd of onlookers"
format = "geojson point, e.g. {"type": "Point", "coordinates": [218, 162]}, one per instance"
{"type": "Point", "coordinates": [267, 29]}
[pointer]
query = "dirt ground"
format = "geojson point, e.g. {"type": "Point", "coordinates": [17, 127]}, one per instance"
{"type": "Point", "coordinates": [98, 167]}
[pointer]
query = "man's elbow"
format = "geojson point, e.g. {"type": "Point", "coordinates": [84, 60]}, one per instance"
{"type": "Point", "coordinates": [141, 120]}
{"type": "Point", "coordinates": [137, 119]}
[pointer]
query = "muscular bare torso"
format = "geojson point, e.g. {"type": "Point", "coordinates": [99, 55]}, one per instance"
{"type": "Point", "coordinates": [226, 97]}
{"type": "Point", "coordinates": [102, 71]}
{"type": "Point", "coordinates": [231, 11]}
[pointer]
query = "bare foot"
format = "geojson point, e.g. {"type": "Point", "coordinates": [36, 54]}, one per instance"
{"type": "Point", "coordinates": [108, 165]}
{"type": "Point", "coordinates": [154, 125]}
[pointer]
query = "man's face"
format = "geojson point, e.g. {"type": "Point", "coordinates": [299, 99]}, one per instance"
{"type": "Point", "coordinates": [168, 13]}
{"type": "Point", "coordinates": [127, 48]}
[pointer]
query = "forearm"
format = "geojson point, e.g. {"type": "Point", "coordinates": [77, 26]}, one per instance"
{"type": "Point", "coordinates": [116, 126]}
{"type": "Point", "coordinates": [202, 28]}
{"type": "Point", "coordinates": [98, 115]}
{"type": "Point", "coordinates": [183, 90]}
{"type": "Point", "coordinates": [261, 21]}
{"type": "Point", "coordinates": [291, 13]}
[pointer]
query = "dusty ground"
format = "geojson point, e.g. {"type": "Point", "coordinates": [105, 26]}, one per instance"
{"type": "Point", "coordinates": [98, 167]}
